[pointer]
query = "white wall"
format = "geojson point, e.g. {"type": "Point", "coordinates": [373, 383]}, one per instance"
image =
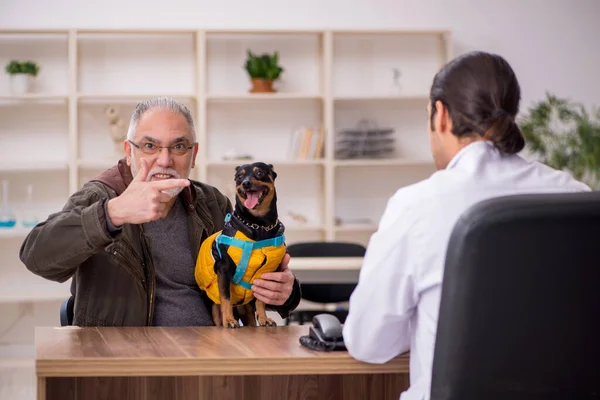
{"type": "Point", "coordinates": [550, 43]}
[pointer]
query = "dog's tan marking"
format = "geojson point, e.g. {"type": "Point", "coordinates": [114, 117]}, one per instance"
{"type": "Point", "coordinates": [227, 314]}
{"type": "Point", "coordinates": [264, 207]}
{"type": "Point", "coordinates": [261, 313]}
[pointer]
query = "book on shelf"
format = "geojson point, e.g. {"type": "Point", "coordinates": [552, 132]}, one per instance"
{"type": "Point", "coordinates": [307, 144]}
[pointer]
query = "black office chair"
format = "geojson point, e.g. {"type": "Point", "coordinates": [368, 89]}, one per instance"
{"type": "Point", "coordinates": [66, 311]}
{"type": "Point", "coordinates": [324, 292]}
{"type": "Point", "coordinates": [520, 301]}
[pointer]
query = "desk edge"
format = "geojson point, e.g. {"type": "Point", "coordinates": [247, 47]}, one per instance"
{"type": "Point", "coordinates": [208, 367]}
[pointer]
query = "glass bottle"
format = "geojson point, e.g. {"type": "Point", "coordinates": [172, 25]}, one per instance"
{"type": "Point", "coordinates": [7, 217]}
{"type": "Point", "coordinates": [29, 218]}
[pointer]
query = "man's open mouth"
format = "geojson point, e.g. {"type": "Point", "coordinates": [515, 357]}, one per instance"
{"type": "Point", "coordinates": [253, 197]}
{"type": "Point", "coordinates": [162, 176]}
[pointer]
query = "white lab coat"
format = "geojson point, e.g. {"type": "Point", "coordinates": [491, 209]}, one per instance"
{"type": "Point", "coordinates": [394, 307]}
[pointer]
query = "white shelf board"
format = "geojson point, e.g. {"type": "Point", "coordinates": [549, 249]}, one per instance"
{"type": "Point", "coordinates": [384, 32]}
{"type": "Point", "coordinates": [375, 97]}
{"type": "Point", "coordinates": [34, 97]}
{"type": "Point", "coordinates": [325, 263]}
{"type": "Point", "coordinates": [383, 163]}
{"type": "Point", "coordinates": [304, 228]}
{"type": "Point", "coordinates": [97, 164]}
{"type": "Point", "coordinates": [33, 166]}
{"type": "Point", "coordinates": [18, 31]}
{"type": "Point", "coordinates": [356, 228]}
{"type": "Point", "coordinates": [17, 232]}
{"type": "Point", "coordinates": [129, 97]}
{"type": "Point", "coordinates": [40, 290]}
{"type": "Point", "coordinates": [241, 97]}
{"type": "Point", "coordinates": [276, 163]}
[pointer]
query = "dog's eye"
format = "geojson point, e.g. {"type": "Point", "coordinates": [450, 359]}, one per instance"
{"type": "Point", "coordinates": [260, 174]}
{"type": "Point", "coordinates": [239, 177]}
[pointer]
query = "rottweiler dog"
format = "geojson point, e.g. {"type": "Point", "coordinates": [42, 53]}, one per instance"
{"type": "Point", "coordinates": [251, 243]}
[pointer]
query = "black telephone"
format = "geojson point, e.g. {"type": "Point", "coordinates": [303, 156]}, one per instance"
{"type": "Point", "coordinates": [325, 334]}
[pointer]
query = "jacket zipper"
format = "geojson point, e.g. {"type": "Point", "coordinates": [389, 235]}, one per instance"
{"type": "Point", "coordinates": [131, 267]}
{"type": "Point", "coordinates": [151, 278]}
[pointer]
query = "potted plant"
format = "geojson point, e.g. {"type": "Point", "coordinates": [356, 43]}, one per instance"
{"type": "Point", "coordinates": [566, 136]}
{"type": "Point", "coordinates": [263, 71]}
{"type": "Point", "coordinates": [21, 74]}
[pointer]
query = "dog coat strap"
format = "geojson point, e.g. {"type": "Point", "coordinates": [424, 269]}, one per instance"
{"type": "Point", "coordinates": [247, 248]}
{"type": "Point", "coordinates": [275, 242]}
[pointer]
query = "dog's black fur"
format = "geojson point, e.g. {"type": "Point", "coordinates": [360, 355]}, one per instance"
{"type": "Point", "coordinates": [259, 223]}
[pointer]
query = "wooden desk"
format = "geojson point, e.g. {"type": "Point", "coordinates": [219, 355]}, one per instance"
{"type": "Point", "coordinates": [203, 363]}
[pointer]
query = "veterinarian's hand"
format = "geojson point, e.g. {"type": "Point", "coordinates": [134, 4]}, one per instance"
{"type": "Point", "coordinates": [275, 288]}
{"type": "Point", "coordinates": [143, 200]}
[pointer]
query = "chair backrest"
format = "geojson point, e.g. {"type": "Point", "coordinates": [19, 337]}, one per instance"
{"type": "Point", "coordinates": [326, 292]}
{"type": "Point", "coordinates": [520, 301]}
{"type": "Point", "coordinates": [326, 249]}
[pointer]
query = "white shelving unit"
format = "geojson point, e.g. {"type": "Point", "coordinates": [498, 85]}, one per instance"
{"type": "Point", "coordinates": [57, 136]}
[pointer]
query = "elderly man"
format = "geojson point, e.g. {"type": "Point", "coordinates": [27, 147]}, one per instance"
{"type": "Point", "coordinates": [130, 237]}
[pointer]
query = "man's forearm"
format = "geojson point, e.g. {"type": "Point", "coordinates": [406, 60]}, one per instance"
{"type": "Point", "coordinates": [55, 248]}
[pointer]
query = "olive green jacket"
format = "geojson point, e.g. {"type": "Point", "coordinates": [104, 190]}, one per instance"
{"type": "Point", "coordinates": [113, 276]}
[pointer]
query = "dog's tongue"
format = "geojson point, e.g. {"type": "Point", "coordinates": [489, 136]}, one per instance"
{"type": "Point", "coordinates": [251, 200]}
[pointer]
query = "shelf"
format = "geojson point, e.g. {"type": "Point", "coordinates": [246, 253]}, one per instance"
{"type": "Point", "coordinates": [383, 163]}
{"type": "Point", "coordinates": [376, 97]}
{"type": "Point", "coordinates": [332, 80]}
{"type": "Point", "coordinates": [17, 232]}
{"type": "Point", "coordinates": [325, 263]}
{"type": "Point", "coordinates": [41, 290]}
{"type": "Point", "coordinates": [35, 97]}
{"type": "Point", "coordinates": [356, 228]}
{"type": "Point", "coordinates": [129, 98]}
{"type": "Point", "coordinates": [262, 97]}
{"type": "Point", "coordinates": [276, 163]}
{"type": "Point", "coordinates": [33, 166]}
{"type": "Point", "coordinates": [303, 228]}
{"type": "Point", "coordinates": [97, 164]}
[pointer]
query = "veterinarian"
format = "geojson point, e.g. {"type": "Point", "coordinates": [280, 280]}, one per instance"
{"type": "Point", "coordinates": [474, 140]}
{"type": "Point", "coordinates": [130, 237]}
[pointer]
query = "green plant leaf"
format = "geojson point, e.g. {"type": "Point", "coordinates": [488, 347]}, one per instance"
{"type": "Point", "coordinates": [566, 136]}
{"type": "Point", "coordinates": [263, 66]}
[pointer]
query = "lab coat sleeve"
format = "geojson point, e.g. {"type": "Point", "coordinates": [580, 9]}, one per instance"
{"type": "Point", "coordinates": [377, 327]}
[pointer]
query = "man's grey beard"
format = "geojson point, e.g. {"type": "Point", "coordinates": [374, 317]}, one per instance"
{"type": "Point", "coordinates": [170, 171]}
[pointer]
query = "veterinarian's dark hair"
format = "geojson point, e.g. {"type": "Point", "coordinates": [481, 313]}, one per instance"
{"type": "Point", "coordinates": [482, 95]}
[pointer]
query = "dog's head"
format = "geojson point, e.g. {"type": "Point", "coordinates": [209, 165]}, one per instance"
{"type": "Point", "coordinates": [255, 187]}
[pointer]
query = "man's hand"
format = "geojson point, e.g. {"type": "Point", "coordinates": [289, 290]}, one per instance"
{"type": "Point", "coordinates": [275, 287]}
{"type": "Point", "coordinates": [142, 201]}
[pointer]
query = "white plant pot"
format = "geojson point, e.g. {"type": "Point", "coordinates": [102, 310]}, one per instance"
{"type": "Point", "coordinates": [20, 84]}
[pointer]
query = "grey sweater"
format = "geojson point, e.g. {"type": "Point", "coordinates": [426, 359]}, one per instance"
{"type": "Point", "coordinates": [178, 300]}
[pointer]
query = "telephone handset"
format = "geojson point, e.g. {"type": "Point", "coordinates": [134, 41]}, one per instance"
{"type": "Point", "coordinates": [325, 334]}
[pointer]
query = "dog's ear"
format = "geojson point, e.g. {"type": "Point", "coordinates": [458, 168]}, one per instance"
{"type": "Point", "coordinates": [272, 171]}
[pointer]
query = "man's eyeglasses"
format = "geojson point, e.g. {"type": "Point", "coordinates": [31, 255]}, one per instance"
{"type": "Point", "coordinates": [177, 149]}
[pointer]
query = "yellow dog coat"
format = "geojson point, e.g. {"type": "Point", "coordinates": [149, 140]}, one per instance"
{"type": "Point", "coordinates": [248, 256]}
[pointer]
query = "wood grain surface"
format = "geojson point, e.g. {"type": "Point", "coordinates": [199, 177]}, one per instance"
{"type": "Point", "coordinates": [277, 387]}
{"type": "Point", "coordinates": [191, 351]}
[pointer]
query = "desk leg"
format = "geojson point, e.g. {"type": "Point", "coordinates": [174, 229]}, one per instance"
{"type": "Point", "coordinates": [298, 387]}
{"type": "Point", "coordinates": [41, 388]}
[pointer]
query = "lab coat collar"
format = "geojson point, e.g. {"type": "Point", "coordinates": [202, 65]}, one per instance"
{"type": "Point", "coordinates": [479, 146]}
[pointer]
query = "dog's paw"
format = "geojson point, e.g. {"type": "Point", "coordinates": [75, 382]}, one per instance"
{"type": "Point", "coordinates": [266, 322]}
{"type": "Point", "coordinates": [231, 324]}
